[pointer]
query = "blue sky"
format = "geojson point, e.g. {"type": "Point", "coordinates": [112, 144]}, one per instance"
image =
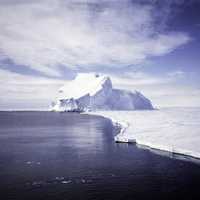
{"type": "Point", "coordinates": [149, 45]}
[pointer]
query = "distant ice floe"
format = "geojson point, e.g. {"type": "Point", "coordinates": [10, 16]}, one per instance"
{"type": "Point", "coordinates": [32, 163]}
{"type": "Point", "coordinates": [174, 130]}
{"type": "Point", "coordinates": [61, 180]}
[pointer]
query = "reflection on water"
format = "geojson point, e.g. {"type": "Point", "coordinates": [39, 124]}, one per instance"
{"type": "Point", "coordinates": [46, 155]}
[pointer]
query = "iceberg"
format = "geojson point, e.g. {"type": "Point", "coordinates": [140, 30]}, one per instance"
{"type": "Point", "coordinates": [90, 91]}
{"type": "Point", "coordinates": [172, 130]}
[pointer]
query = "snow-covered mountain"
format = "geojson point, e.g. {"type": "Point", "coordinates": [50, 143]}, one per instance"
{"type": "Point", "coordinates": [95, 92]}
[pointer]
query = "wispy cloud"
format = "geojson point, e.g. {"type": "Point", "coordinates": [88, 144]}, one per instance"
{"type": "Point", "coordinates": [164, 90]}
{"type": "Point", "coordinates": [133, 80]}
{"type": "Point", "coordinates": [88, 35]}
{"type": "Point", "coordinates": [177, 74]}
{"type": "Point", "coordinates": [24, 91]}
{"type": "Point", "coordinates": [82, 34]}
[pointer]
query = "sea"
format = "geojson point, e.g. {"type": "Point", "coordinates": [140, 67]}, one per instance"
{"type": "Point", "coordinates": [70, 156]}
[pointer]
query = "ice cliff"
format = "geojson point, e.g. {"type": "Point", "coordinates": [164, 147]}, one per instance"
{"type": "Point", "coordinates": [174, 129]}
{"type": "Point", "coordinates": [95, 92]}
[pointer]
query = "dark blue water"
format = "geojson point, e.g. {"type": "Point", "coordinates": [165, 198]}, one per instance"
{"type": "Point", "coordinates": [46, 155]}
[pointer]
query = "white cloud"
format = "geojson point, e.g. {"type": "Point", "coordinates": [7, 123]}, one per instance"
{"type": "Point", "coordinates": [177, 74]}
{"type": "Point", "coordinates": [163, 90]}
{"type": "Point", "coordinates": [136, 79]}
{"type": "Point", "coordinates": [85, 34]}
{"type": "Point", "coordinates": [25, 91]}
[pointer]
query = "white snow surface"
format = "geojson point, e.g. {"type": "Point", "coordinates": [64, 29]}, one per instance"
{"type": "Point", "coordinates": [90, 91]}
{"type": "Point", "coordinates": [83, 84]}
{"type": "Point", "coordinates": [170, 129]}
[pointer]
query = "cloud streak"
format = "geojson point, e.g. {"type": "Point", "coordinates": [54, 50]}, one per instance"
{"type": "Point", "coordinates": [45, 35]}
{"type": "Point", "coordinates": [27, 92]}
{"type": "Point", "coordinates": [166, 90]}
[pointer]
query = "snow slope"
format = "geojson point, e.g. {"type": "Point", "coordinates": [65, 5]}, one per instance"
{"type": "Point", "coordinates": [83, 84]}
{"type": "Point", "coordinates": [89, 91]}
{"type": "Point", "coordinates": [174, 129]}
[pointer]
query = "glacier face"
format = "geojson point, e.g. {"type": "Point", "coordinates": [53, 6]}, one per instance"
{"type": "Point", "coordinates": [95, 92]}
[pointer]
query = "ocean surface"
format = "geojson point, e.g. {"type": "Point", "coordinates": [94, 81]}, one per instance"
{"type": "Point", "coordinates": [64, 156]}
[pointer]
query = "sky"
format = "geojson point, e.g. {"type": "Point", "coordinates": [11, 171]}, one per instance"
{"type": "Point", "coordinates": [147, 45]}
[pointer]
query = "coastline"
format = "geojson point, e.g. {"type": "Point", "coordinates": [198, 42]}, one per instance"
{"type": "Point", "coordinates": [128, 133]}
{"type": "Point", "coordinates": [131, 132]}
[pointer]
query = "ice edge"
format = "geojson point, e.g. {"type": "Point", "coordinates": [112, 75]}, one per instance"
{"type": "Point", "coordinates": [122, 138]}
